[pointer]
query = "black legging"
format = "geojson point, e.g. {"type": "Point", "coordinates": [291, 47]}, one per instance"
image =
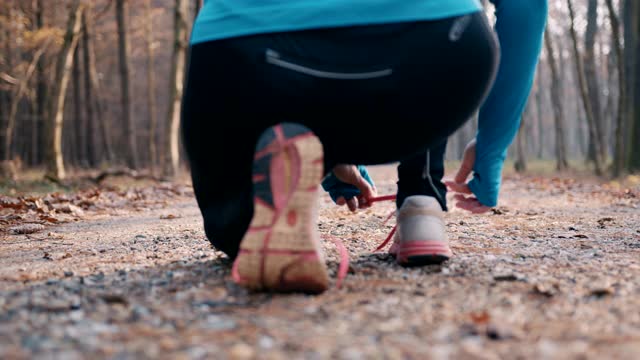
{"type": "Point", "coordinates": [372, 94]}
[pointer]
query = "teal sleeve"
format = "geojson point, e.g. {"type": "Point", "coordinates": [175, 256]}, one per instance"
{"type": "Point", "coordinates": [520, 27]}
{"type": "Point", "coordinates": [337, 188]}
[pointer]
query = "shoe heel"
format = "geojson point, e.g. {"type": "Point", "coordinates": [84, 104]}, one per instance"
{"type": "Point", "coordinates": [281, 250]}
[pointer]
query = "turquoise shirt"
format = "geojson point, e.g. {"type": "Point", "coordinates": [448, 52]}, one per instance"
{"type": "Point", "coordinates": [220, 19]}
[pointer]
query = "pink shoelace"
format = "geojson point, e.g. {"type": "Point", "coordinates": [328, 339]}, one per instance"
{"type": "Point", "coordinates": [343, 268]}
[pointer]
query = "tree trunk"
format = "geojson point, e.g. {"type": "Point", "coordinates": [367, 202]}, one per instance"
{"type": "Point", "coordinates": [619, 158]}
{"type": "Point", "coordinates": [584, 93]}
{"type": "Point", "coordinates": [632, 49]}
{"type": "Point", "coordinates": [556, 100]}
{"type": "Point", "coordinates": [125, 86]}
{"type": "Point", "coordinates": [89, 134]}
{"type": "Point", "coordinates": [53, 151]}
{"type": "Point", "coordinates": [540, 111]}
{"type": "Point", "coordinates": [78, 127]}
{"type": "Point", "coordinates": [591, 75]}
{"type": "Point", "coordinates": [41, 90]}
{"type": "Point", "coordinates": [7, 168]}
{"type": "Point", "coordinates": [521, 157]}
{"type": "Point", "coordinates": [172, 144]}
{"type": "Point", "coordinates": [151, 88]}
{"type": "Point", "coordinates": [5, 150]}
{"type": "Point", "coordinates": [95, 104]}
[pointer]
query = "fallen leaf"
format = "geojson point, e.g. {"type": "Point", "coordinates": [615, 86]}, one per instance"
{"type": "Point", "coordinates": [26, 229]}
{"type": "Point", "coordinates": [49, 218]}
{"type": "Point", "coordinates": [480, 318]}
{"type": "Point", "coordinates": [55, 236]}
{"type": "Point", "coordinates": [603, 221]}
{"type": "Point", "coordinates": [70, 209]}
{"type": "Point", "coordinates": [6, 202]}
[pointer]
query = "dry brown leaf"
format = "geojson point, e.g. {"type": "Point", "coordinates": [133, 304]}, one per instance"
{"type": "Point", "coordinates": [26, 229]}
{"type": "Point", "coordinates": [6, 202]}
{"type": "Point", "coordinates": [480, 318]}
{"type": "Point", "coordinates": [70, 209]}
{"type": "Point", "coordinates": [49, 218]}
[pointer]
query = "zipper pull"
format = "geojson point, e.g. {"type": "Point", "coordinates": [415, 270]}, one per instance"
{"type": "Point", "coordinates": [272, 54]}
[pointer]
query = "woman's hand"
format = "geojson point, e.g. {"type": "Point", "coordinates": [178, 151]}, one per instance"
{"type": "Point", "coordinates": [351, 175]}
{"type": "Point", "coordinates": [464, 197]}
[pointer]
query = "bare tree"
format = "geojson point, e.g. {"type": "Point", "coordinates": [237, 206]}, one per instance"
{"type": "Point", "coordinates": [78, 131]}
{"type": "Point", "coordinates": [556, 99]}
{"type": "Point", "coordinates": [591, 77]}
{"type": "Point", "coordinates": [7, 139]}
{"type": "Point", "coordinates": [41, 88]}
{"type": "Point", "coordinates": [89, 133]}
{"type": "Point", "coordinates": [177, 75]}
{"type": "Point", "coordinates": [619, 158]}
{"type": "Point", "coordinates": [53, 150]}
{"type": "Point", "coordinates": [151, 84]}
{"type": "Point", "coordinates": [93, 106]}
{"type": "Point", "coordinates": [632, 58]}
{"type": "Point", "coordinates": [540, 112]}
{"type": "Point", "coordinates": [584, 92]}
{"type": "Point", "coordinates": [520, 164]}
{"type": "Point", "coordinates": [125, 85]}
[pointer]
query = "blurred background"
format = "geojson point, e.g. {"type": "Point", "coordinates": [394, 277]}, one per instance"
{"type": "Point", "coordinates": [91, 86]}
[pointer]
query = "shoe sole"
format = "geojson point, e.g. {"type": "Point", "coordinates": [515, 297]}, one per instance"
{"type": "Point", "coordinates": [281, 249]}
{"type": "Point", "coordinates": [422, 253]}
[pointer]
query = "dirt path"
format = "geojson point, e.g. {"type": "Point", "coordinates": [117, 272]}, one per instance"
{"type": "Point", "coordinates": [552, 274]}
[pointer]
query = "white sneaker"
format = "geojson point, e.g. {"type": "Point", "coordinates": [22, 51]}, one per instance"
{"type": "Point", "coordinates": [421, 237]}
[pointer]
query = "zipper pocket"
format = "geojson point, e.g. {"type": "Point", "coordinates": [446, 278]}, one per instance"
{"type": "Point", "coordinates": [274, 58]}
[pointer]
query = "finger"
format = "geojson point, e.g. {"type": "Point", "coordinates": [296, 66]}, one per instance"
{"type": "Point", "coordinates": [463, 172]}
{"type": "Point", "coordinates": [460, 197]}
{"type": "Point", "coordinates": [466, 166]}
{"type": "Point", "coordinates": [481, 209]}
{"type": "Point", "coordinates": [458, 187]}
{"type": "Point", "coordinates": [363, 203]}
{"type": "Point", "coordinates": [352, 204]}
{"type": "Point", "coordinates": [464, 205]}
{"type": "Point", "coordinates": [341, 201]}
{"type": "Point", "coordinates": [366, 190]}
{"type": "Point", "coordinates": [473, 205]}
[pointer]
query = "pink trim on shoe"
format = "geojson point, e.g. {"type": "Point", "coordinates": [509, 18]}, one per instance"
{"type": "Point", "coordinates": [423, 247]}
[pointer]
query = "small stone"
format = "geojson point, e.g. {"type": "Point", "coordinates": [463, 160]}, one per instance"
{"type": "Point", "coordinates": [241, 351]}
{"type": "Point", "coordinates": [601, 292]}
{"type": "Point", "coordinates": [496, 333]}
{"type": "Point", "coordinates": [219, 323]}
{"type": "Point", "coordinates": [266, 342]}
{"type": "Point", "coordinates": [505, 277]}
